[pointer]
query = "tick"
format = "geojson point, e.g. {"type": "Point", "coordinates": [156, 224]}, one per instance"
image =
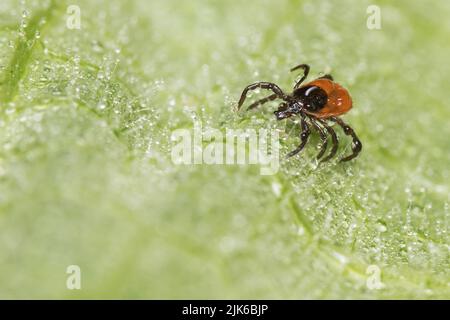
{"type": "Point", "coordinates": [316, 103]}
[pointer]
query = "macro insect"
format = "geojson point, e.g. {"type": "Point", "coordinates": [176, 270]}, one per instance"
{"type": "Point", "coordinates": [316, 102]}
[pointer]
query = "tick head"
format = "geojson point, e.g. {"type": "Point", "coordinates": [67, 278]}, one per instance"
{"type": "Point", "coordinates": [313, 98]}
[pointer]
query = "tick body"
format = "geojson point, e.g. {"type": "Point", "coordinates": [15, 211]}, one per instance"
{"type": "Point", "coordinates": [316, 103]}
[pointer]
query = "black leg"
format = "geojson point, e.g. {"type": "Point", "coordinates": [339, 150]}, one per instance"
{"type": "Point", "coordinates": [356, 146]}
{"type": "Point", "coordinates": [323, 137]}
{"type": "Point", "coordinates": [262, 101]}
{"type": "Point", "coordinates": [327, 76]}
{"type": "Point", "coordinates": [334, 140]}
{"type": "Point", "coordinates": [303, 136]}
{"type": "Point", "coordinates": [305, 69]}
{"type": "Point", "coordinates": [263, 85]}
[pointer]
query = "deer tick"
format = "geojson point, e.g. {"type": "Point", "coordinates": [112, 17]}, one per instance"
{"type": "Point", "coordinates": [316, 102]}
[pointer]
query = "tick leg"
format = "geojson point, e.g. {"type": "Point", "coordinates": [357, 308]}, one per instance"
{"type": "Point", "coordinates": [323, 137]}
{"type": "Point", "coordinates": [334, 140]}
{"type": "Point", "coordinates": [262, 101]}
{"type": "Point", "coordinates": [263, 85]}
{"type": "Point", "coordinates": [327, 76]}
{"type": "Point", "coordinates": [356, 143]}
{"type": "Point", "coordinates": [305, 69]}
{"type": "Point", "coordinates": [303, 136]}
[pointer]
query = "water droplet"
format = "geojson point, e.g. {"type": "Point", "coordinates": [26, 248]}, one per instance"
{"type": "Point", "coordinates": [276, 188]}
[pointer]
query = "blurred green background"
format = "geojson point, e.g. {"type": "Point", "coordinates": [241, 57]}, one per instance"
{"type": "Point", "coordinates": [86, 176]}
